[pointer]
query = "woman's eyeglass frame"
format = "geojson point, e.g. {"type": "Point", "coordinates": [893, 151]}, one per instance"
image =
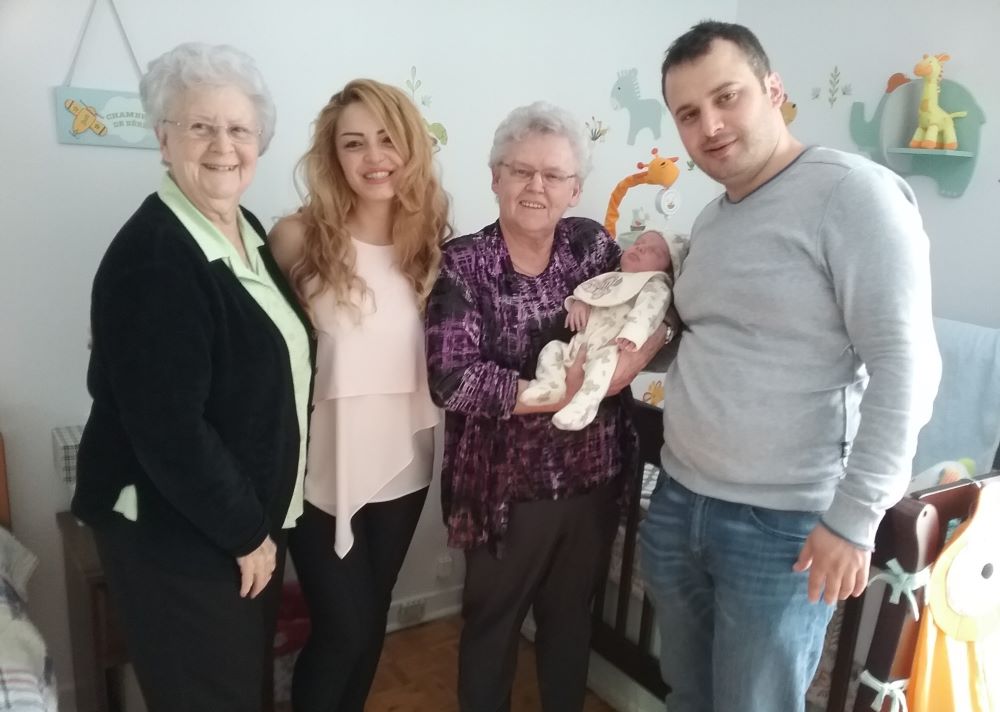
{"type": "Point", "coordinates": [204, 131]}
{"type": "Point", "coordinates": [525, 174]}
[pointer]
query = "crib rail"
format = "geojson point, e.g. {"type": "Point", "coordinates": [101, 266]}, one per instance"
{"type": "Point", "coordinates": [610, 637]}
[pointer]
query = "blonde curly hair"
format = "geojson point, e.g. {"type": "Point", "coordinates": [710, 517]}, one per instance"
{"type": "Point", "coordinates": [420, 221]}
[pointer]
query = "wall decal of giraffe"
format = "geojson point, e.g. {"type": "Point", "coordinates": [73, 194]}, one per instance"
{"type": "Point", "coordinates": [935, 126]}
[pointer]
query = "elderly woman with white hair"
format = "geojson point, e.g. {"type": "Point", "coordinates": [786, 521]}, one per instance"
{"type": "Point", "coordinates": [535, 508]}
{"type": "Point", "coordinates": [192, 459]}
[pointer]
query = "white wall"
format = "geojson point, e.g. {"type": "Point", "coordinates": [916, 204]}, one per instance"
{"type": "Point", "coordinates": [61, 205]}
{"type": "Point", "coordinates": [868, 42]}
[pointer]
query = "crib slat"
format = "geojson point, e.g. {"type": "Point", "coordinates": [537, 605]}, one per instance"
{"type": "Point", "coordinates": [628, 559]}
{"type": "Point", "coordinates": [646, 624]}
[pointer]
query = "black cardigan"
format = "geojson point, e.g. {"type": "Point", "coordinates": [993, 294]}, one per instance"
{"type": "Point", "coordinates": [193, 400]}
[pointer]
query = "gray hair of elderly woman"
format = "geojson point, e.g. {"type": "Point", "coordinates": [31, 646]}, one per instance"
{"type": "Point", "coordinates": [542, 118]}
{"type": "Point", "coordinates": [193, 65]}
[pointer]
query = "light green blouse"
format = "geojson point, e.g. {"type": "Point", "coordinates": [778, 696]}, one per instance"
{"type": "Point", "coordinates": [258, 282]}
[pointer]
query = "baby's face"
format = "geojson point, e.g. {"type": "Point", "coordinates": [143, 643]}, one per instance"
{"type": "Point", "coordinates": [648, 253]}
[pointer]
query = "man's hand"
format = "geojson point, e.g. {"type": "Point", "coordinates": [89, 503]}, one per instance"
{"type": "Point", "coordinates": [837, 568]}
{"type": "Point", "coordinates": [577, 316]}
{"type": "Point", "coordinates": [630, 363]}
{"type": "Point", "coordinates": [256, 568]}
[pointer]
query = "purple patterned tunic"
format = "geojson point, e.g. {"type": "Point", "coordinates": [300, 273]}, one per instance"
{"type": "Point", "coordinates": [486, 324]}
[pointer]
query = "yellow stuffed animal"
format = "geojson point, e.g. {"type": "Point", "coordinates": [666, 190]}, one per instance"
{"type": "Point", "coordinates": [659, 171]}
{"type": "Point", "coordinates": [935, 126]}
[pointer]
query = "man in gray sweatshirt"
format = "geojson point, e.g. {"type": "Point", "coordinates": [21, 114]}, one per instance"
{"type": "Point", "coordinates": [805, 370]}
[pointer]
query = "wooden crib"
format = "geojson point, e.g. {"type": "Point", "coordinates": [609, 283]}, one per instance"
{"type": "Point", "coordinates": [912, 532]}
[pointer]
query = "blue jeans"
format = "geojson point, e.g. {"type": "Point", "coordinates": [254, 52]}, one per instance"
{"type": "Point", "coordinates": [737, 630]}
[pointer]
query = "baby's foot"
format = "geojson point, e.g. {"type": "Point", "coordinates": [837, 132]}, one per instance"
{"type": "Point", "coordinates": [543, 393]}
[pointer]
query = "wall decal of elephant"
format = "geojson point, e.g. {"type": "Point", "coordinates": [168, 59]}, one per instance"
{"type": "Point", "coordinates": [886, 136]}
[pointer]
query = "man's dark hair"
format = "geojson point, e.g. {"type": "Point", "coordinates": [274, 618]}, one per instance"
{"type": "Point", "coordinates": [696, 43]}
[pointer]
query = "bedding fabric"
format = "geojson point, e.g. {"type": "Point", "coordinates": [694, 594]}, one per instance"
{"type": "Point", "coordinates": [966, 417]}
{"type": "Point", "coordinates": [27, 682]}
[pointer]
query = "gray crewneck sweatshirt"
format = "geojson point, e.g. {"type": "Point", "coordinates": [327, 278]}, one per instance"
{"type": "Point", "coordinates": [808, 362]}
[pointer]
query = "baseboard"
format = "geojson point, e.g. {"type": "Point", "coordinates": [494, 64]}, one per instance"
{"type": "Point", "coordinates": [414, 610]}
{"type": "Point", "coordinates": [618, 689]}
{"type": "Point", "coordinates": [609, 683]}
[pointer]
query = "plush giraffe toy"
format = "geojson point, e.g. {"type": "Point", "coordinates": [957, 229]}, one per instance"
{"type": "Point", "coordinates": [935, 127]}
{"type": "Point", "coordinates": [659, 171]}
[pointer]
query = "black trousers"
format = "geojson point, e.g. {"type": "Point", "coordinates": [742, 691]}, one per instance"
{"type": "Point", "coordinates": [555, 555]}
{"type": "Point", "coordinates": [348, 599]}
{"type": "Point", "coordinates": [195, 644]}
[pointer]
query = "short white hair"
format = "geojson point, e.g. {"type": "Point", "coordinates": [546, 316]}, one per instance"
{"type": "Point", "coordinates": [195, 64]}
{"type": "Point", "coordinates": [542, 118]}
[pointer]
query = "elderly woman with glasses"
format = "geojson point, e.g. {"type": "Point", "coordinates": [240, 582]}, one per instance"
{"type": "Point", "coordinates": [192, 460]}
{"type": "Point", "coordinates": [535, 508]}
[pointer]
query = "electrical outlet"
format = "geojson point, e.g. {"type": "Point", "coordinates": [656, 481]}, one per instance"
{"type": "Point", "coordinates": [445, 566]}
{"type": "Point", "coordinates": [411, 612]}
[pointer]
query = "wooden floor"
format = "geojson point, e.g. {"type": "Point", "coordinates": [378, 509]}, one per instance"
{"type": "Point", "coordinates": [419, 668]}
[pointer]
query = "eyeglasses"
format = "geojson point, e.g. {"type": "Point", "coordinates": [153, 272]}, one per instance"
{"type": "Point", "coordinates": [525, 174]}
{"type": "Point", "coordinates": [203, 131]}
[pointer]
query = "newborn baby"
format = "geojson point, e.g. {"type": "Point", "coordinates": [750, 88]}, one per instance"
{"type": "Point", "coordinates": [612, 312]}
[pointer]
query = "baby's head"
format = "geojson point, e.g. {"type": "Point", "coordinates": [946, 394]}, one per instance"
{"type": "Point", "coordinates": [649, 253]}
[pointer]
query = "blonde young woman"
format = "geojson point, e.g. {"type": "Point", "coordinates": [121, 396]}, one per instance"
{"type": "Point", "coordinates": [362, 255]}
